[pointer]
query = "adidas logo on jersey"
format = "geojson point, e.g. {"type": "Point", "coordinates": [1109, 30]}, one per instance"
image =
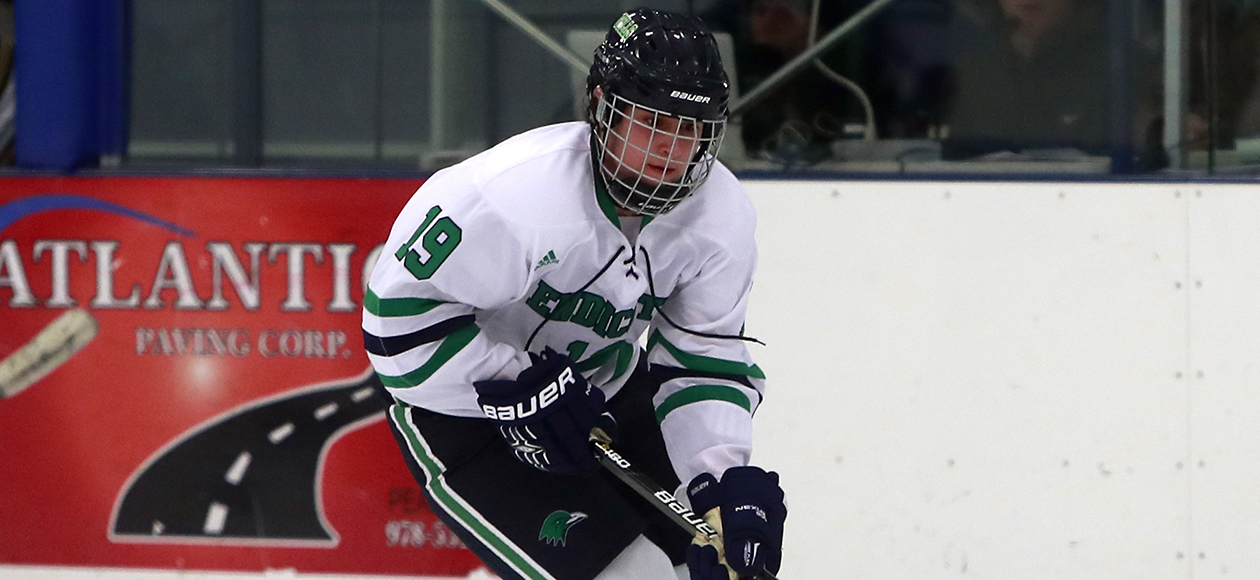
{"type": "Point", "coordinates": [547, 260]}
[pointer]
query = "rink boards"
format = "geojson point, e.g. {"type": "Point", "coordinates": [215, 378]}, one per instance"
{"type": "Point", "coordinates": [990, 379]}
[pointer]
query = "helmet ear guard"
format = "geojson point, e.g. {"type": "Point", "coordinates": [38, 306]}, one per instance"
{"type": "Point", "coordinates": [667, 65]}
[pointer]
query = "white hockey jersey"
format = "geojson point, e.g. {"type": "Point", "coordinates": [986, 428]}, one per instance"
{"type": "Point", "coordinates": [517, 248]}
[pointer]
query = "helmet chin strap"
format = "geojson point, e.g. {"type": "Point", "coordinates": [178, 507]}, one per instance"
{"type": "Point", "coordinates": [640, 203]}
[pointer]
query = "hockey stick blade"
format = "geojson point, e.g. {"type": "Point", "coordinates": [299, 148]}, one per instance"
{"type": "Point", "coordinates": [663, 499]}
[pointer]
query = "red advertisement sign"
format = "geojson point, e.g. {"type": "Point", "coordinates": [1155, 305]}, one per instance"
{"type": "Point", "coordinates": [183, 383]}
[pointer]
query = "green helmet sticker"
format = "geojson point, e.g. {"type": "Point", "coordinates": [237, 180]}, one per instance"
{"type": "Point", "coordinates": [625, 26]}
{"type": "Point", "coordinates": [555, 529]}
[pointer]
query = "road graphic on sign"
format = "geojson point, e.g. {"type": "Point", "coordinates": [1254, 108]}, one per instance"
{"type": "Point", "coordinates": [250, 475]}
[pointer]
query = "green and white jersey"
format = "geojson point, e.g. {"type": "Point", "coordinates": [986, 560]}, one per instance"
{"type": "Point", "coordinates": [517, 248]}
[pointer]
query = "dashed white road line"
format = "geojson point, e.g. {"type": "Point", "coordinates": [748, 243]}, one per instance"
{"type": "Point", "coordinates": [325, 411]}
{"type": "Point", "coordinates": [215, 518]}
{"type": "Point", "coordinates": [279, 433]}
{"type": "Point", "coordinates": [237, 472]}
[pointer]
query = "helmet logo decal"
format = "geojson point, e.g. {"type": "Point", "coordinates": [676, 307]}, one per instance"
{"type": "Point", "coordinates": [690, 97]}
{"type": "Point", "coordinates": [625, 26]}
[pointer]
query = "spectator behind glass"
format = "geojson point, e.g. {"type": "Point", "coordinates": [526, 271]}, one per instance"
{"type": "Point", "coordinates": [796, 121]}
{"type": "Point", "coordinates": [1038, 81]}
{"type": "Point", "coordinates": [1232, 99]}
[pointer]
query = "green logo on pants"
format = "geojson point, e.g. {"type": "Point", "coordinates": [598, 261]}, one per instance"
{"type": "Point", "coordinates": [556, 527]}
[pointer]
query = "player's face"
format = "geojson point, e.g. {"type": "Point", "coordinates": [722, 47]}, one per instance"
{"type": "Point", "coordinates": [655, 145]}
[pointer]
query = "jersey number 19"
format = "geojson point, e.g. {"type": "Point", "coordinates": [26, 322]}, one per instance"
{"type": "Point", "coordinates": [439, 239]}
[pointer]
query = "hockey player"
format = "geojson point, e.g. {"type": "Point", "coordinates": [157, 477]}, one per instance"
{"type": "Point", "coordinates": [506, 310]}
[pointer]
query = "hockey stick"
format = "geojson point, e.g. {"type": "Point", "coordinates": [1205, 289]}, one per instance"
{"type": "Point", "coordinates": [654, 493]}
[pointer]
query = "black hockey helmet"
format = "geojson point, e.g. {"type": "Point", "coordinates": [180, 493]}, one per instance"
{"type": "Point", "coordinates": [666, 61]}
{"type": "Point", "coordinates": [663, 65]}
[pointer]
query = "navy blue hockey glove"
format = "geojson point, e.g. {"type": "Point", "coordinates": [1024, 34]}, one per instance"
{"type": "Point", "coordinates": [547, 413]}
{"type": "Point", "coordinates": [749, 502]}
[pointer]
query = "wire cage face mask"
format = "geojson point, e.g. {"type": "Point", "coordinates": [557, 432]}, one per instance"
{"type": "Point", "coordinates": [652, 160]}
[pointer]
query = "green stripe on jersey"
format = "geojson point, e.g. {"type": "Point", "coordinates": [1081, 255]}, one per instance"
{"type": "Point", "coordinates": [449, 347]}
{"type": "Point", "coordinates": [453, 504]}
{"type": "Point", "coordinates": [395, 307]}
{"type": "Point", "coordinates": [697, 362]}
{"type": "Point", "coordinates": [606, 203]}
{"type": "Point", "coordinates": [697, 393]}
{"type": "Point", "coordinates": [702, 392]}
